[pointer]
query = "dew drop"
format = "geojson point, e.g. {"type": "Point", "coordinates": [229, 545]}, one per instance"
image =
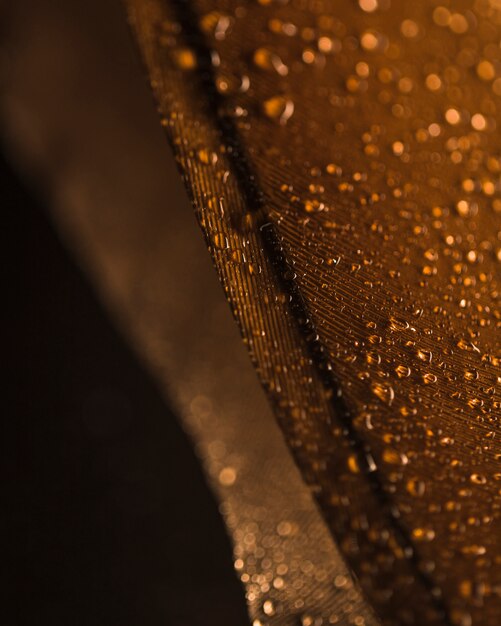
{"type": "Point", "coordinates": [429, 379]}
{"type": "Point", "coordinates": [216, 24]}
{"type": "Point", "coordinates": [268, 608]}
{"type": "Point", "coordinates": [403, 371]}
{"type": "Point", "coordinates": [423, 534]}
{"type": "Point", "coordinates": [416, 487]}
{"type": "Point", "coordinates": [478, 479]}
{"type": "Point", "coordinates": [184, 58]}
{"type": "Point", "coordinates": [394, 457]}
{"type": "Point", "coordinates": [265, 59]}
{"type": "Point", "coordinates": [279, 108]}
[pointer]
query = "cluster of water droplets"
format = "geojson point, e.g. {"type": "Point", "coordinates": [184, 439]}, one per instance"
{"type": "Point", "coordinates": [386, 118]}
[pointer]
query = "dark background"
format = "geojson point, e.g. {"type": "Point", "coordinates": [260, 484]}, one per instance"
{"type": "Point", "coordinates": [106, 518]}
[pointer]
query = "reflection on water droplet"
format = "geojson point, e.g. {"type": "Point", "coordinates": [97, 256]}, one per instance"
{"type": "Point", "coordinates": [478, 479]}
{"type": "Point", "coordinates": [384, 392]}
{"type": "Point", "coordinates": [265, 59]}
{"type": "Point", "coordinates": [473, 550]}
{"type": "Point", "coordinates": [279, 108]}
{"type": "Point", "coordinates": [228, 84]}
{"type": "Point", "coordinates": [206, 157]}
{"type": "Point", "coordinates": [423, 534]}
{"type": "Point", "coordinates": [340, 581]}
{"type": "Point", "coordinates": [184, 58]}
{"type": "Point", "coordinates": [227, 476]}
{"type": "Point", "coordinates": [429, 379]}
{"type": "Point", "coordinates": [424, 355]}
{"type": "Point", "coordinates": [353, 465]}
{"type": "Point", "coordinates": [471, 375]}
{"type": "Point", "coordinates": [268, 607]}
{"type": "Point", "coordinates": [398, 325]}
{"type": "Point", "coordinates": [416, 487]}
{"type": "Point", "coordinates": [369, 6]}
{"type": "Point", "coordinates": [403, 371]}
{"type": "Point", "coordinates": [216, 24]}
{"type": "Point", "coordinates": [220, 241]}
{"type": "Point", "coordinates": [394, 457]}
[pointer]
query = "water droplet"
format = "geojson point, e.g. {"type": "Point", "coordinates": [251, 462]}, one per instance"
{"type": "Point", "coordinates": [206, 156]}
{"type": "Point", "coordinates": [216, 24]}
{"type": "Point", "coordinates": [268, 608]}
{"type": "Point", "coordinates": [429, 379]}
{"type": "Point", "coordinates": [184, 58]}
{"type": "Point", "coordinates": [471, 375]}
{"type": "Point", "coordinates": [227, 476]}
{"type": "Point", "coordinates": [394, 457]}
{"type": "Point", "coordinates": [424, 355]}
{"type": "Point", "coordinates": [423, 534]}
{"type": "Point", "coordinates": [416, 487]}
{"type": "Point", "coordinates": [478, 479]}
{"type": "Point", "coordinates": [279, 108]}
{"type": "Point", "coordinates": [353, 465]}
{"type": "Point", "coordinates": [220, 241]}
{"type": "Point", "coordinates": [473, 550]}
{"type": "Point", "coordinates": [369, 6]}
{"type": "Point", "coordinates": [403, 371]}
{"type": "Point", "coordinates": [398, 325]}
{"type": "Point", "coordinates": [265, 59]}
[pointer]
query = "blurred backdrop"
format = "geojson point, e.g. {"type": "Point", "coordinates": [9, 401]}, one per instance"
{"type": "Point", "coordinates": [106, 517]}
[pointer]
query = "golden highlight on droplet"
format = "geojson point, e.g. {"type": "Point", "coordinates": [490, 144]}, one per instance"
{"type": "Point", "coordinates": [184, 58]}
{"type": "Point", "coordinates": [227, 476]}
{"type": "Point", "coordinates": [279, 108]}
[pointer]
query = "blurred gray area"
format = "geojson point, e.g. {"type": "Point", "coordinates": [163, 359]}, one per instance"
{"type": "Point", "coordinates": [81, 121]}
{"type": "Point", "coordinates": [106, 517]}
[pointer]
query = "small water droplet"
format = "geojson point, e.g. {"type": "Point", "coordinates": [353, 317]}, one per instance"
{"type": "Point", "coordinates": [403, 371]}
{"type": "Point", "coordinates": [279, 108]}
{"type": "Point", "coordinates": [478, 479]}
{"type": "Point", "coordinates": [416, 487]}
{"type": "Point", "coordinates": [394, 457]}
{"type": "Point", "coordinates": [423, 534]}
{"type": "Point", "coordinates": [265, 59]}
{"type": "Point", "coordinates": [184, 58]}
{"type": "Point", "coordinates": [384, 392]}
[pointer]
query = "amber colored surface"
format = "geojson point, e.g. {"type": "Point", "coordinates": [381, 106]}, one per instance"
{"type": "Point", "coordinates": [344, 161]}
{"type": "Point", "coordinates": [79, 116]}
